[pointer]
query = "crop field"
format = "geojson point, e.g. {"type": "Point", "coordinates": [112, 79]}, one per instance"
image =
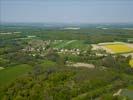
{"type": "Point", "coordinates": [131, 63]}
{"type": "Point", "coordinates": [119, 48]}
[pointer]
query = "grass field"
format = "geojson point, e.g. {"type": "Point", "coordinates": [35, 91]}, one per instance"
{"type": "Point", "coordinates": [48, 64]}
{"type": "Point", "coordinates": [119, 48]}
{"type": "Point", "coordinates": [11, 73]}
{"type": "Point", "coordinates": [131, 63]}
{"type": "Point", "coordinates": [70, 44]}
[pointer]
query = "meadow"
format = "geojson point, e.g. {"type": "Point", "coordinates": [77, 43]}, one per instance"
{"type": "Point", "coordinates": [9, 74]}
{"type": "Point", "coordinates": [70, 44]}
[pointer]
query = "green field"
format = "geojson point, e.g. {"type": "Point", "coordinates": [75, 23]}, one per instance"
{"type": "Point", "coordinates": [11, 73]}
{"type": "Point", "coordinates": [70, 44]}
{"type": "Point", "coordinates": [47, 63]}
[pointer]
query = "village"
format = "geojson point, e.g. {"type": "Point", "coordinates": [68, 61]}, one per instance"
{"type": "Point", "coordinates": [42, 47]}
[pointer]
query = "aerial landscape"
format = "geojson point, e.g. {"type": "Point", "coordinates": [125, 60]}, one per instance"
{"type": "Point", "coordinates": [66, 50]}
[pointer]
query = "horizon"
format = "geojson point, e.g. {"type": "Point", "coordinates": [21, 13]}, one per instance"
{"type": "Point", "coordinates": [69, 12]}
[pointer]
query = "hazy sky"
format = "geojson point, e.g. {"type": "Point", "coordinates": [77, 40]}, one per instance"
{"type": "Point", "coordinates": [70, 11]}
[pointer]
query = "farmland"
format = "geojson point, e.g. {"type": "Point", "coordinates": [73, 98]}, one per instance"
{"type": "Point", "coordinates": [119, 48]}
{"type": "Point", "coordinates": [64, 64]}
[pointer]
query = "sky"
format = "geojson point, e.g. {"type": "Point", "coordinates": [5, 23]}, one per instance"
{"type": "Point", "coordinates": [67, 11]}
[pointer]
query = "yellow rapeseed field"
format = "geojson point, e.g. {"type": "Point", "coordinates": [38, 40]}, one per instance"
{"type": "Point", "coordinates": [119, 48]}
{"type": "Point", "coordinates": [131, 63]}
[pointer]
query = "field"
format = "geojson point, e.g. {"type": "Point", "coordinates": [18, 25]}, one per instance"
{"type": "Point", "coordinates": [119, 48]}
{"type": "Point", "coordinates": [70, 44]}
{"type": "Point", "coordinates": [11, 73]}
{"type": "Point", "coordinates": [131, 63]}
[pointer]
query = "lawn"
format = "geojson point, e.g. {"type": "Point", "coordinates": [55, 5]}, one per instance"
{"type": "Point", "coordinates": [119, 48]}
{"type": "Point", "coordinates": [11, 73]}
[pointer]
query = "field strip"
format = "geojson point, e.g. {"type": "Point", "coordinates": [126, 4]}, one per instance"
{"type": "Point", "coordinates": [110, 43]}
